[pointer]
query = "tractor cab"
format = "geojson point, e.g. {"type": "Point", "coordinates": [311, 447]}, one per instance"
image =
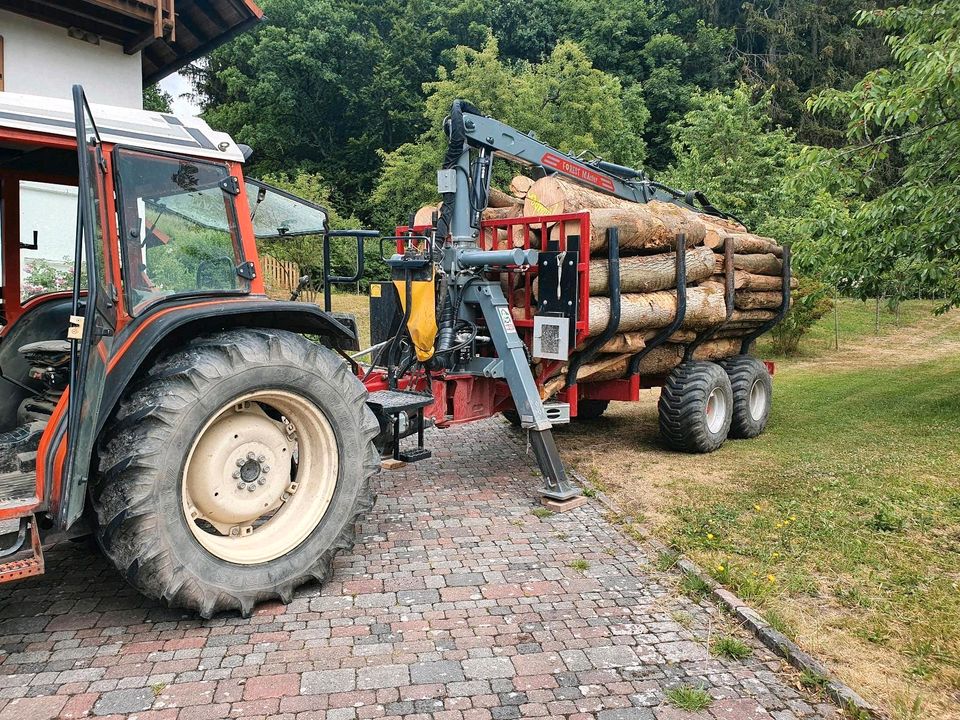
{"type": "Point", "coordinates": [123, 233]}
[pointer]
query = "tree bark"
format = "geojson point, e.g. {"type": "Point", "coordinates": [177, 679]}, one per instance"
{"type": "Point", "coordinates": [749, 281]}
{"type": "Point", "coordinates": [641, 311]}
{"type": "Point", "coordinates": [500, 199]}
{"type": "Point", "coordinates": [747, 300]}
{"type": "Point", "coordinates": [752, 316]}
{"type": "Point", "coordinates": [743, 243]}
{"type": "Point", "coordinates": [760, 264]}
{"type": "Point", "coordinates": [502, 212]}
{"type": "Point", "coordinates": [661, 360]}
{"type": "Point", "coordinates": [650, 228]}
{"type": "Point", "coordinates": [721, 280]}
{"type": "Point", "coordinates": [648, 273]}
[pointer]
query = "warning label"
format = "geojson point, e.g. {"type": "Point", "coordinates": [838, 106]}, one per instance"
{"type": "Point", "coordinates": [506, 319]}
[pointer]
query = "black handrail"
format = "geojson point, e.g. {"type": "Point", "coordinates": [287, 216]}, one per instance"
{"type": "Point", "coordinates": [613, 322]}
{"type": "Point", "coordinates": [663, 335]}
{"type": "Point", "coordinates": [728, 298]}
{"type": "Point", "coordinates": [784, 305]}
{"type": "Point", "coordinates": [360, 236]}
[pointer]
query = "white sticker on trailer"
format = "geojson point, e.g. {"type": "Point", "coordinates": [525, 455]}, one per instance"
{"type": "Point", "coordinates": [507, 319]}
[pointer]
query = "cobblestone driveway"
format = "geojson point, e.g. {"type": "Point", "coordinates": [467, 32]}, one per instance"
{"type": "Point", "coordinates": [457, 604]}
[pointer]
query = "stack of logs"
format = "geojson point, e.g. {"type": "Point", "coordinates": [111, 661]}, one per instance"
{"type": "Point", "coordinates": [648, 235]}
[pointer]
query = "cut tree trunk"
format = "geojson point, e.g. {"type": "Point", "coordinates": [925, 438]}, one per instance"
{"type": "Point", "coordinates": [641, 311]}
{"type": "Point", "coordinates": [721, 280]}
{"type": "Point", "coordinates": [650, 228]}
{"type": "Point", "coordinates": [746, 300]}
{"type": "Point", "coordinates": [661, 360]}
{"type": "Point", "coordinates": [585, 372]}
{"type": "Point", "coordinates": [749, 281]}
{"type": "Point", "coordinates": [743, 243]}
{"type": "Point", "coordinates": [424, 216]}
{"type": "Point", "coordinates": [757, 316]}
{"type": "Point", "coordinates": [648, 273]}
{"type": "Point", "coordinates": [520, 185]}
{"type": "Point", "coordinates": [759, 264]}
{"type": "Point", "coordinates": [503, 212]}
{"type": "Point", "coordinates": [500, 199]}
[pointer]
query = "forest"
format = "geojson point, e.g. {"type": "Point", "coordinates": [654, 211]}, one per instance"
{"type": "Point", "coordinates": [828, 124]}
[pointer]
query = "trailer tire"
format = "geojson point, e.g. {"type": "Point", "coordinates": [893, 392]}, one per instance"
{"type": "Point", "coordinates": [695, 407]}
{"type": "Point", "coordinates": [591, 409]}
{"type": "Point", "coordinates": [752, 395]}
{"type": "Point", "coordinates": [185, 466]}
{"type": "Point", "coordinates": [512, 417]}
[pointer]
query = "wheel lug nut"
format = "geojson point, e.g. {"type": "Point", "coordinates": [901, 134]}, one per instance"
{"type": "Point", "coordinates": [251, 487]}
{"type": "Point", "coordinates": [240, 462]}
{"type": "Point", "coordinates": [251, 456]}
{"type": "Point", "coordinates": [236, 474]}
{"type": "Point", "coordinates": [266, 468]}
{"type": "Point", "coordinates": [261, 458]}
{"type": "Point", "coordinates": [240, 485]}
{"type": "Point", "coordinates": [261, 481]}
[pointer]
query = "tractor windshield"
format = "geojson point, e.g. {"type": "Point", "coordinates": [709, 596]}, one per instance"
{"type": "Point", "coordinates": [179, 227]}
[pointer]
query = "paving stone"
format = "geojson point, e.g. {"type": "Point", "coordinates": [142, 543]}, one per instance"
{"type": "Point", "coordinates": [124, 702]}
{"type": "Point", "coordinates": [457, 603]}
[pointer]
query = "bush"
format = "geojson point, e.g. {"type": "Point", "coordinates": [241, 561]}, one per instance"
{"type": "Point", "coordinates": [811, 301]}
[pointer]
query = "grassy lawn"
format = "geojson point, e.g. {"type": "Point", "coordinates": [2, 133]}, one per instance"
{"type": "Point", "coordinates": [842, 522]}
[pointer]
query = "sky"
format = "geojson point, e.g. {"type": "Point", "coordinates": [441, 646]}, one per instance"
{"type": "Point", "coordinates": [177, 85]}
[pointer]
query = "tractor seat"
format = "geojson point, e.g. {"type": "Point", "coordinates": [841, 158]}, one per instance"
{"type": "Point", "coordinates": [52, 353]}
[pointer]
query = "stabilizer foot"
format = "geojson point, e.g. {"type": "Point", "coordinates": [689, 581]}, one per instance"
{"type": "Point", "coordinates": [559, 506]}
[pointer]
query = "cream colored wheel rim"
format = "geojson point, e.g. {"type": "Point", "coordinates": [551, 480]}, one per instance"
{"type": "Point", "coordinates": [260, 476]}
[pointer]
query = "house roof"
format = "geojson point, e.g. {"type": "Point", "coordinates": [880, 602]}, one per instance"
{"type": "Point", "coordinates": [169, 33]}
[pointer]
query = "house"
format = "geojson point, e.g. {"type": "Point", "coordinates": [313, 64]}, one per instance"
{"type": "Point", "coordinates": [113, 48]}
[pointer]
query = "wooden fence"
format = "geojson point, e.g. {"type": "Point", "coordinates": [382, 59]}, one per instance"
{"type": "Point", "coordinates": [280, 277]}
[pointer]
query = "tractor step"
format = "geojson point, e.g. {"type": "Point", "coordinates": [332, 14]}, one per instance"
{"type": "Point", "coordinates": [20, 552]}
{"type": "Point", "coordinates": [399, 408]}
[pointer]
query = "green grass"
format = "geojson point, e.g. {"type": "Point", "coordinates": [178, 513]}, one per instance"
{"type": "Point", "coordinates": [693, 587]}
{"type": "Point", "coordinates": [851, 497]}
{"type": "Point", "coordinates": [580, 565]}
{"type": "Point", "coordinates": [730, 647]}
{"type": "Point", "coordinates": [688, 697]}
{"type": "Point", "coordinates": [541, 512]}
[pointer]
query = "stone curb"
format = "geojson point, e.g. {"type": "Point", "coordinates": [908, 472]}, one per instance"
{"type": "Point", "coordinates": [778, 643]}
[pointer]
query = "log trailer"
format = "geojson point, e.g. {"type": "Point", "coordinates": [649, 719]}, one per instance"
{"type": "Point", "coordinates": [219, 444]}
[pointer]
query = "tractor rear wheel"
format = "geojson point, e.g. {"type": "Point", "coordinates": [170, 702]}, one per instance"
{"type": "Point", "coordinates": [695, 407]}
{"type": "Point", "coordinates": [752, 395]}
{"type": "Point", "coordinates": [236, 471]}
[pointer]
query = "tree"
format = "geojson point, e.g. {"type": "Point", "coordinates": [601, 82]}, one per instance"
{"type": "Point", "coordinates": [156, 99]}
{"type": "Point", "coordinates": [907, 227]}
{"type": "Point", "coordinates": [567, 102]}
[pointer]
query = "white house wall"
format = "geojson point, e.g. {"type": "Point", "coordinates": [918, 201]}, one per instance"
{"type": "Point", "coordinates": [41, 59]}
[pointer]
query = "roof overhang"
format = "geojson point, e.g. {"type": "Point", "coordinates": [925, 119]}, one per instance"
{"type": "Point", "coordinates": [169, 33]}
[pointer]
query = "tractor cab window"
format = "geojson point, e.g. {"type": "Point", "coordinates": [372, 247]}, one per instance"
{"type": "Point", "coordinates": [179, 227]}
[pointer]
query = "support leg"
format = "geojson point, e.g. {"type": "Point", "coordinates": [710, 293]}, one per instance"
{"type": "Point", "coordinates": [526, 396]}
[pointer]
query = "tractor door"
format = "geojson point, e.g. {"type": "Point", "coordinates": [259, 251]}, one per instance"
{"type": "Point", "coordinates": [94, 314]}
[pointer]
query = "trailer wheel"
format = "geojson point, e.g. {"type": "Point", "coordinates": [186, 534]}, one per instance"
{"type": "Point", "coordinates": [235, 471]}
{"type": "Point", "coordinates": [591, 409]}
{"type": "Point", "coordinates": [695, 407]}
{"type": "Point", "coordinates": [752, 395]}
{"type": "Point", "coordinates": [512, 417]}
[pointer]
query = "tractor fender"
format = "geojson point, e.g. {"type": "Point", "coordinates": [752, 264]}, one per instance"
{"type": "Point", "coordinates": [168, 328]}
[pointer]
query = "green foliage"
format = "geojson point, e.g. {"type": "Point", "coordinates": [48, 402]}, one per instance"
{"type": "Point", "coordinates": [811, 301]}
{"type": "Point", "coordinates": [726, 147]}
{"type": "Point", "coordinates": [566, 101]}
{"type": "Point", "coordinates": [156, 99]}
{"type": "Point", "coordinates": [42, 276]}
{"type": "Point", "coordinates": [903, 125]}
